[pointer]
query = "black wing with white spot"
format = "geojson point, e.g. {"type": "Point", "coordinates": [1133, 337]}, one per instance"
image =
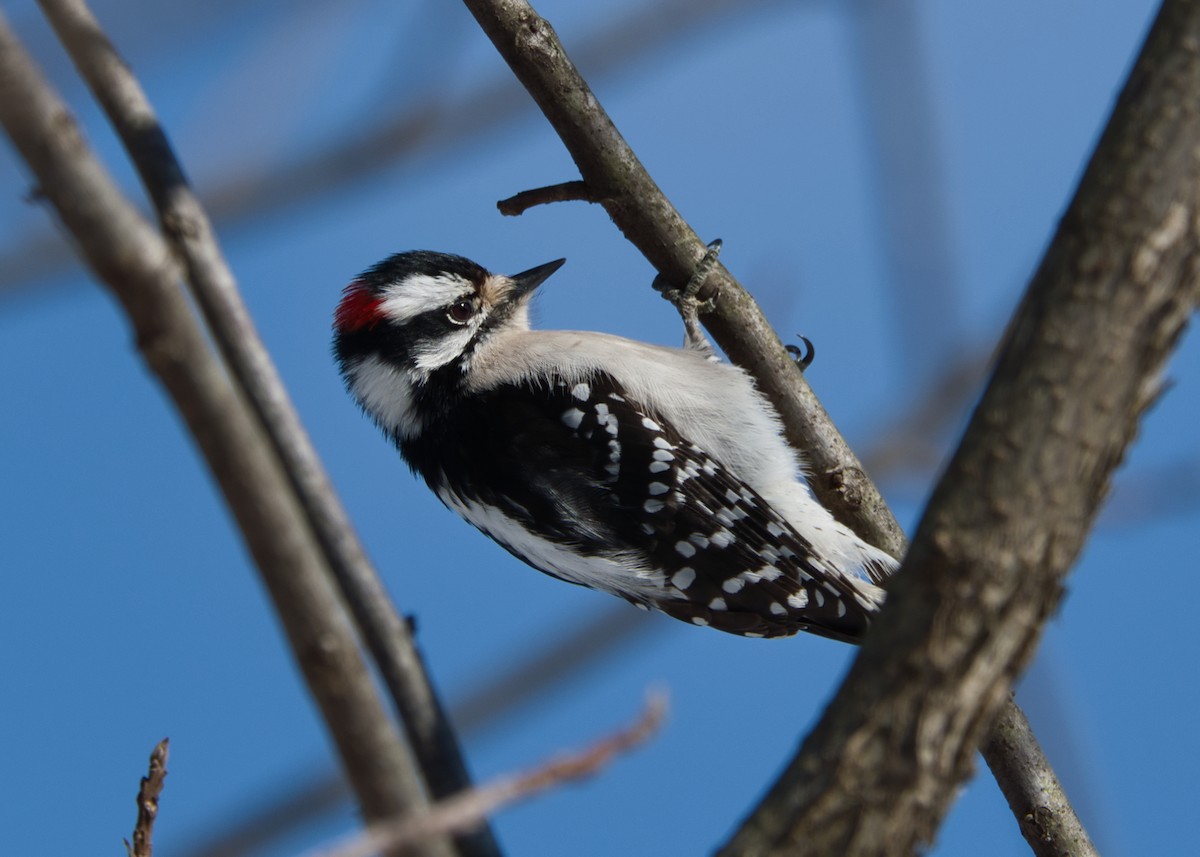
{"type": "Point", "coordinates": [582, 466]}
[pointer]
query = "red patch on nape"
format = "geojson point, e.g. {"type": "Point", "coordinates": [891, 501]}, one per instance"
{"type": "Point", "coordinates": [359, 309]}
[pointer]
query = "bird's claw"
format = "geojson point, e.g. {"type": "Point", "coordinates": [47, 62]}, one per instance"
{"type": "Point", "coordinates": [685, 300]}
{"type": "Point", "coordinates": [803, 359]}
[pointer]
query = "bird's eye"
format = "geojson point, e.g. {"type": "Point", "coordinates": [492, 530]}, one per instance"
{"type": "Point", "coordinates": [460, 312]}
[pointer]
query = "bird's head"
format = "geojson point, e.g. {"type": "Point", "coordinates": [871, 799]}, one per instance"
{"type": "Point", "coordinates": [409, 327]}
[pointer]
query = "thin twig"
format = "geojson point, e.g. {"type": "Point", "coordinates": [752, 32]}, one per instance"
{"type": "Point", "coordinates": [468, 809]}
{"type": "Point", "coordinates": [128, 254]}
{"type": "Point", "coordinates": [147, 802]}
{"type": "Point", "coordinates": [641, 211]}
{"type": "Point", "coordinates": [564, 192]}
{"type": "Point", "coordinates": [187, 225]}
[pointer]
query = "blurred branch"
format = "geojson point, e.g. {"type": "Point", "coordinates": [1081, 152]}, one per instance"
{"type": "Point", "coordinates": [1081, 362]}
{"type": "Point", "coordinates": [580, 643]}
{"type": "Point", "coordinates": [428, 126]}
{"type": "Point", "coordinates": [147, 802]}
{"type": "Point", "coordinates": [128, 255]}
{"type": "Point", "coordinates": [468, 809]}
{"type": "Point", "coordinates": [187, 226]}
{"type": "Point", "coordinates": [906, 166]}
{"type": "Point", "coordinates": [641, 211]}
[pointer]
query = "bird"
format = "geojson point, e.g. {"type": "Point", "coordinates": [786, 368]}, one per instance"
{"type": "Point", "coordinates": [656, 474]}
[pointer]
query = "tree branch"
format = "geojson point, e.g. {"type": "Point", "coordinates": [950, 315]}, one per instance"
{"type": "Point", "coordinates": [1081, 362]}
{"type": "Point", "coordinates": [126, 253]}
{"type": "Point", "coordinates": [147, 802]}
{"type": "Point", "coordinates": [187, 227]}
{"type": "Point", "coordinates": [470, 808]}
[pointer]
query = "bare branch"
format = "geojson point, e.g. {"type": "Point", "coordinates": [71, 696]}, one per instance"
{"type": "Point", "coordinates": [188, 228]}
{"type": "Point", "coordinates": [132, 259]}
{"type": "Point", "coordinates": [527, 199]}
{"type": "Point", "coordinates": [147, 802]}
{"type": "Point", "coordinates": [1081, 362]}
{"type": "Point", "coordinates": [468, 809]}
{"type": "Point", "coordinates": [1052, 829]}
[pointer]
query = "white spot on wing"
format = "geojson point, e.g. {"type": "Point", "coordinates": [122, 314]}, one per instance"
{"type": "Point", "coordinates": [684, 549]}
{"type": "Point", "coordinates": [581, 391]}
{"type": "Point", "coordinates": [656, 488]}
{"type": "Point", "coordinates": [683, 578]}
{"type": "Point", "coordinates": [572, 418]}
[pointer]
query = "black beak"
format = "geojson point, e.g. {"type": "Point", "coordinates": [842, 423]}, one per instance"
{"type": "Point", "coordinates": [527, 281]}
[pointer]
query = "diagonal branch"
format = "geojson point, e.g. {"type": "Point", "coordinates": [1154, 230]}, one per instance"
{"type": "Point", "coordinates": [187, 226]}
{"type": "Point", "coordinates": [131, 257]}
{"type": "Point", "coordinates": [1081, 362]}
{"type": "Point", "coordinates": [641, 211]}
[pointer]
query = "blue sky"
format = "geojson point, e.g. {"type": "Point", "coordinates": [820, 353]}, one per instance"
{"type": "Point", "coordinates": [128, 608]}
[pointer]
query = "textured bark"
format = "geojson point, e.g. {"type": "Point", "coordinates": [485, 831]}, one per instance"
{"type": "Point", "coordinates": [1081, 362]}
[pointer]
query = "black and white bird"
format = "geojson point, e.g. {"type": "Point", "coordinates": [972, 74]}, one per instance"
{"type": "Point", "coordinates": [656, 474]}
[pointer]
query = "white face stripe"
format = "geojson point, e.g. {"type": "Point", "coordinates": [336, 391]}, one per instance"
{"type": "Point", "coordinates": [433, 354]}
{"type": "Point", "coordinates": [386, 394]}
{"type": "Point", "coordinates": [419, 293]}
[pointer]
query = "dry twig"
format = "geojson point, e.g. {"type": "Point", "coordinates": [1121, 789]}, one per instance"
{"type": "Point", "coordinates": [147, 802]}
{"type": "Point", "coordinates": [468, 809]}
{"type": "Point", "coordinates": [565, 192]}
